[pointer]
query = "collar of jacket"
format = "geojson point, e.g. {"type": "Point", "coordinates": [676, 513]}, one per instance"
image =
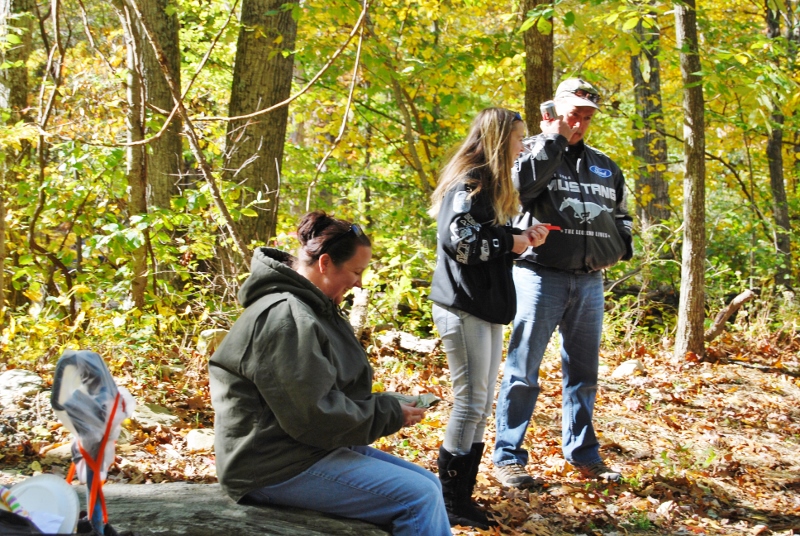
{"type": "Point", "coordinates": [271, 271]}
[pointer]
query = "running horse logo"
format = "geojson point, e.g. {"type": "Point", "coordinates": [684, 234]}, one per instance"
{"type": "Point", "coordinates": [585, 211]}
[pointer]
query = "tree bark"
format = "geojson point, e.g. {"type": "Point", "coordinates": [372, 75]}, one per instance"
{"type": "Point", "coordinates": [780, 204]}
{"type": "Point", "coordinates": [538, 69]}
{"type": "Point", "coordinates": [691, 314]}
{"type": "Point", "coordinates": [136, 168]}
{"type": "Point", "coordinates": [262, 76]}
{"type": "Point", "coordinates": [14, 14]}
{"type": "Point", "coordinates": [164, 158]}
{"type": "Point", "coordinates": [650, 145]}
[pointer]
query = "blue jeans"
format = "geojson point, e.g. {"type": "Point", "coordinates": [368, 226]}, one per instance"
{"type": "Point", "coordinates": [474, 350]}
{"type": "Point", "coordinates": [547, 299]}
{"type": "Point", "coordinates": [367, 484]}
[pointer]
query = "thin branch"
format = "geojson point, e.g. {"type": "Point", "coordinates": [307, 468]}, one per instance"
{"type": "Point", "coordinates": [89, 37]}
{"type": "Point", "coordinates": [286, 102]}
{"type": "Point", "coordinates": [418, 167]}
{"type": "Point", "coordinates": [194, 140]}
{"type": "Point", "coordinates": [418, 122]}
{"type": "Point", "coordinates": [210, 49]}
{"type": "Point", "coordinates": [735, 174]}
{"type": "Point", "coordinates": [344, 117]}
{"type": "Point", "coordinates": [277, 195]}
{"type": "Point", "coordinates": [306, 87]}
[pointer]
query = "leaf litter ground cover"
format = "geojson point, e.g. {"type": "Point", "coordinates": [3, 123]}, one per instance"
{"type": "Point", "coordinates": [704, 447]}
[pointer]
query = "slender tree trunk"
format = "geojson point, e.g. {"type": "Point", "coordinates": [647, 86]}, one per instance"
{"type": "Point", "coordinates": [792, 34]}
{"type": "Point", "coordinates": [262, 76]}
{"type": "Point", "coordinates": [136, 168]}
{"type": "Point", "coordinates": [408, 129]}
{"type": "Point", "coordinates": [14, 14]}
{"type": "Point", "coordinates": [538, 69]}
{"type": "Point", "coordinates": [691, 311]}
{"type": "Point", "coordinates": [793, 37]}
{"type": "Point", "coordinates": [650, 145]}
{"type": "Point", "coordinates": [780, 204]}
{"type": "Point", "coordinates": [164, 158]}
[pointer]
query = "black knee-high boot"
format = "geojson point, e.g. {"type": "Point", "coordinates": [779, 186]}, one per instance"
{"type": "Point", "coordinates": [457, 475]}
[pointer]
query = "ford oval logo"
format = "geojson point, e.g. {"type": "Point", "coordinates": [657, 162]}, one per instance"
{"type": "Point", "coordinates": [605, 173]}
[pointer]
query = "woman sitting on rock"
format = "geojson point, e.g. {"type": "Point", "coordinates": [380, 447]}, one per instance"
{"type": "Point", "coordinates": [291, 388]}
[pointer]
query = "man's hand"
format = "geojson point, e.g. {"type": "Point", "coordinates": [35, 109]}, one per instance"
{"type": "Point", "coordinates": [558, 126]}
{"type": "Point", "coordinates": [412, 414]}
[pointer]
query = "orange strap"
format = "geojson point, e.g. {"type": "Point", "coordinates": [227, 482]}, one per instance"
{"type": "Point", "coordinates": [71, 473]}
{"type": "Point", "coordinates": [96, 466]}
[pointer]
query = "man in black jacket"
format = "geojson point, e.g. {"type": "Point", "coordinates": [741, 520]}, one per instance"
{"type": "Point", "coordinates": [581, 192]}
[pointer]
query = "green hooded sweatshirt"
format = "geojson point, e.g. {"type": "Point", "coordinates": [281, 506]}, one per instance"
{"type": "Point", "coordinates": [290, 383]}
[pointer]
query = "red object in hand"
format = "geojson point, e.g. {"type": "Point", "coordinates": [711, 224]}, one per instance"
{"type": "Point", "coordinates": [552, 227]}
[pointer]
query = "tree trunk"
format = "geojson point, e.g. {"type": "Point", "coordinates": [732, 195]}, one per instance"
{"type": "Point", "coordinates": [538, 69]}
{"type": "Point", "coordinates": [650, 145]}
{"type": "Point", "coordinates": [408, 130]}
{"type": "Point", "coordinates": [262, 76]}
{"type": "Point", "coordinates": [780, 205]}
{"type": "Point", "coordinates": [164, 158]}
{"type": "Point", "coordinates": [13, 97]}
{"type": "Point", "coordinates": [792, 35]}
{"type": "Point", "coordinates": [136, 169]}
{"type": "Point", "coordinates": [689, 337]}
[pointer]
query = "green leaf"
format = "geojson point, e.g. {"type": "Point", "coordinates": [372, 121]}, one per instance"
{"type": "Point", "coordinates": [544, 26]}
{"type": "Point", "coordinates": [527, 25]}
{"type": "Point", "coordinates": [630, 24]}
{"type": "Point", "coordinates": [569, 19]}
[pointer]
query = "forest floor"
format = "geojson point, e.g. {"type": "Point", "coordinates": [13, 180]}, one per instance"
{"type": "Point", "coordinates": [705, 447]}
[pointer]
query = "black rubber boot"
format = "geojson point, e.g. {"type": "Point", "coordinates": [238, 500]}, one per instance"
{"type": "Point", "coordinates": [477, 453]}
{"type": "Point", "coordinates": [457, 475]}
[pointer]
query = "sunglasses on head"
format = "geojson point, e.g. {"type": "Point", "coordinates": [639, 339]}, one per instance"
{"type": "Point", "coordinates": [582, 93]}
{"type": "Point", "coordinates": [354, 228]}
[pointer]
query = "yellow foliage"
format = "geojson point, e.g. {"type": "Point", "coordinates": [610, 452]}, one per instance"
{"type": "Point", "coordinates": [33, 295]}
{"type": "Point", "coordinates": [81, 289]}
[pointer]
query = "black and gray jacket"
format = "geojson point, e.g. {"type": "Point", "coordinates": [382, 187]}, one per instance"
{"type": "Point", "coordinates": [581, 190]}
{"type": "Point", "coordinates": [473, 258]}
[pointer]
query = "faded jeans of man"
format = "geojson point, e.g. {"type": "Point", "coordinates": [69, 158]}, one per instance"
{"type": "Point", "coordinates": [474, 350]}
{"type": "Point", "coordinates": [367, 484]}
{"type": "Point", "coordinates": [546, 299]}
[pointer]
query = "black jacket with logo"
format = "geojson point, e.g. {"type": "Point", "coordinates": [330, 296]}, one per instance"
{"type": "Point", "coordinates": [581, 190]}
{"type": "Point", "coordinates": [473, 258]}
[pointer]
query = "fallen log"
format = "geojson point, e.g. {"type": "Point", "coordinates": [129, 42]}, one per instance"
{"type": "Point", "coordinates": [204, 510]}
{"type": "Point", "coordinates": [409, 342]}
{"type": "Point", "coordinates": [723, 316]}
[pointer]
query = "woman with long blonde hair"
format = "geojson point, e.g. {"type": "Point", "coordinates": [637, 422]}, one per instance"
{"type": "Point", "coordinates": [473, 292]}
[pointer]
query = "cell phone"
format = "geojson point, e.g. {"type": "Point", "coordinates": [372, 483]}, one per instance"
{"type": "Point", "coordinates": [552, 227]}
{"type": "Point", "coordinates": [548, 109]}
